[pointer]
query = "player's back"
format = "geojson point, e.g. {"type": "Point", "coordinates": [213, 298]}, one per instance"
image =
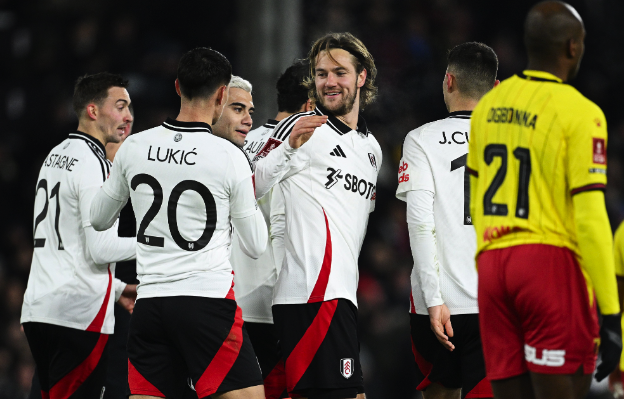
{"type": "Point", "coordinates": [434, 159]}
{"type": "Point", "coordinates": [66, 286]}
{"type": "Point", "coordinates": [182, 181]}
{"type": "Point", "coordinates": [535, 142]}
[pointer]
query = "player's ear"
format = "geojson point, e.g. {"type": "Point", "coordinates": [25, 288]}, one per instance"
{"type": "Point", "coordinates": [177, 86]}
{"type": "Point", "coordinates": [92, 111]}
{"type": "Point", "coordinates": [450, 82]}
{"type": "Point", "coordinates": [573, 48]}
{"type": "Point", "coordinates": [496, 82]}
{"type": "Point", "coordinates": [362, 78]}
{"type": "Point", "coordinates": [222, 95]}
{"type": "Point", "coordinates": [307, 106]}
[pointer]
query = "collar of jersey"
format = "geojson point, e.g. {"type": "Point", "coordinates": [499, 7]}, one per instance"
{"type": "Point", "coordinates": [540, 76]}
{"type": "Point", "coordinates": [460, 114]}
{"type": "Point", "coordinates": [271, 123]}
{"type": "Point", "coordinates": [339, 126]}
{"type": "Point", "coordinates": [187, 127]}
{"type": "Point", "coordinates": [89, 139]}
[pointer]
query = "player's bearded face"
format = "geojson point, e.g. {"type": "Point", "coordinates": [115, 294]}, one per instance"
{"type": "Point", "coordinates": [114, 115]}
{"type": "Point", "coordinates": [337, 84]}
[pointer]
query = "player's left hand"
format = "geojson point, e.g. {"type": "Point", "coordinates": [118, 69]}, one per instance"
{"type": "Point", "coordinates": [128, 297]}
{"type": "Point", "coordinates": [440, 318]}
{"type": "Point", "coordinates": [610, 345]}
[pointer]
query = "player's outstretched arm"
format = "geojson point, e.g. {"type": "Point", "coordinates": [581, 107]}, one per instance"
{"type": "Point", "coordinates": [596, 246]}
{"type": "Point", "coordinates": [104, 211]}
{"type": "Point", "coordinates": [107, 247]}
{"type": "Point", "coordinates": [247, 218]}
{"type": "Point", "coordinates": [278, 226]}
{"type": "Point", "coordinates": [127, 297]}
{"type": "Point", "coordinates": [272, 168]}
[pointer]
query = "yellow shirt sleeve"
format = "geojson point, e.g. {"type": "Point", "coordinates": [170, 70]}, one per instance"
{"type": "Point", "coordinates": [618, 251]}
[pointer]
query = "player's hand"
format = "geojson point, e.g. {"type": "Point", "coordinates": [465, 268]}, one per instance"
{"type": "Point", "coordinates": [440, 318]}
{"type": "Point", "coordinates": [615, 384]}
{"type": "Point", "coordinates": [303, 129]}
{"type": "Point", "coordinates": [610, 345]}
{"type": "Point", "coordinates": [128, 297]}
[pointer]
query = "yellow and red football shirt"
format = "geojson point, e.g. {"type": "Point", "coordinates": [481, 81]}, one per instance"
{"type": "Point", "coordinates": [535, 142]}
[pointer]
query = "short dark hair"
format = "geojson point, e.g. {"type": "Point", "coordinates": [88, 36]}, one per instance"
{"type": "Point", "coordinates": [362, 59]}
{"type": "Point", "coordinates": [474, 65]}
{"type": "Point", "coordinates": [291, 93]}
{"type": "Point", "coordinates": [94, 89]}
{"type": "Point", "coordinates": [202, 71]}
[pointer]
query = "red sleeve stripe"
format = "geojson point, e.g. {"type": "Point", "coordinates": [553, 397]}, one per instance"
{"type": "Point", "coordinates": [472, 172]}
{"type": "Point", "coordinates": [589, 187]}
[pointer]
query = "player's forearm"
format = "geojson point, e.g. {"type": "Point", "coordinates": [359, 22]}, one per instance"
{"type": "Point", "coordinates": [107, 247]}
{"type": "Point", "coordinates": [270, 169]}
{"type": "Point", "coordinates": [104, 211]}
{"type": "Point", "coordinates": [421, 228]}
{"type": "Point", "coordinates": [253, 235]}
{"type": "Point", "coordinates": [596, 246]}
{"type": "Point", "coordinates": [278, 225]}
{"type": "Point", "coordinates": [120, 286]}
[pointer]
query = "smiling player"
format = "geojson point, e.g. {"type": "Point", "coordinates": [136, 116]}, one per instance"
{"type": "Point", "coordinates": [235, 122]}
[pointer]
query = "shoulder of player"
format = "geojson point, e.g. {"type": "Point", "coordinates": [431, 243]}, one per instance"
{"type": "Point", "coordinates": [258, 132]}
{"type": "Point", "coordinates": [283, 129]}
{"type": "Point", "coordinates": [569, 98]}
{"type": "Point", "coordinates": [421, 132]}
{"type": "Point", "coordinates": [92, 157]}
{"type": "Point", "coordinates": [235, 153]}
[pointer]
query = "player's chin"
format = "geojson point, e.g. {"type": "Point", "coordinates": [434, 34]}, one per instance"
{"type": "Point", "coordinates": [239, 138]}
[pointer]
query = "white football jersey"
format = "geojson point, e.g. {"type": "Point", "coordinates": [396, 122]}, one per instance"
{"type": "Point", "coordinates": [184, 183]}
{"type": "Point", "coordinates": [254, 279]}
{"type": "Point", "coordinates": [329, 190]}
{"type": "Point", "coordinates": [65, 286]}
{"type": "Point", "coordinates": [434, 159]}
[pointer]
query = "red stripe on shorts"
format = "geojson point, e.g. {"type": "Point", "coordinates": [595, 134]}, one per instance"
{"type": "Point", "coordinates": [275, 382]}
{"type": "Point", "coordinates": [45, 395]}
{"type": "Point", "coordinates": [75, 378]}
{"type": "Point", "coordinates": [223, 361]}
{"type": "Point", "coordinates": [139, 385]}
{"type": "Point", "coordinates": [300, 358]}
{"type": "Point", "coordinates": [98, 322]}
{"type": "Point", "coordinates": [424, 367]}
{"type": "Point", "coordinates": [318, 293]}
{"type": "Point", "coordinates": [482, 390]}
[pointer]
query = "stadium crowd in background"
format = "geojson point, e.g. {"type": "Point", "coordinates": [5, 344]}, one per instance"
{"type": "Point", "coordinates": [49, 45]}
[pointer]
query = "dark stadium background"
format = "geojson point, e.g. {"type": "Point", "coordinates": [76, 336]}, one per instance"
{"type": "Point", "coordinates": [46, 45]}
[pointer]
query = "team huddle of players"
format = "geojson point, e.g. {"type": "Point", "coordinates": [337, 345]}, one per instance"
{"type": "Point", "coordinates": [247, 241]}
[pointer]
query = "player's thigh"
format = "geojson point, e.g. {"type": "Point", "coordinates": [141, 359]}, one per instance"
{"type": "Point", "coordinates": [499, 323]}
{"type": "Point", "coordinates": [558, 321]}
{"type": "Point", "coordinates": [215, 346]}
{"type": "Point", "coordinates": [438, 391]}
{"type": "Point", "coordinates": [517, 387]}
{"type": "Point", "coordinates": [255, 392]}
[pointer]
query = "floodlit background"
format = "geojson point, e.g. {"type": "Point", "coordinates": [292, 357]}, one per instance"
{"type": "Point", "coordinates": [46, 44]}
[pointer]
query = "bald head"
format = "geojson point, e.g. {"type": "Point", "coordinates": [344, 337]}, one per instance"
{"type": "Point", "coordinates": [553, 31]}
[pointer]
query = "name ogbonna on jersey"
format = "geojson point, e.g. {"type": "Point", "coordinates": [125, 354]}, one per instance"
{"type": "Point", "coordinates": [510, 115]}
{"type": "Point", "coordinates": [172, 155]}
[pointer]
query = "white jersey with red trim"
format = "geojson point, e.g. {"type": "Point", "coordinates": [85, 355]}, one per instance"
{"type": "Point", "coordinates": [254, 279]}
{"type": "Point", "coordinates": [434, 159]}
{"type": "Point", "coordinates": [329, 189]}
{"type": "Point", "coordinates": [186, 185]}
{"type": "Point", "coordinates": [65, 286]}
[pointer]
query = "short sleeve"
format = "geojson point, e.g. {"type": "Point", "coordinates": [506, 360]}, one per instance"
{"type": "Point", "coordinates": [414, 168]}
{"type": "Point", "coordinates": [587, 151]}
{"type": "Point", "coordinates": [116, 186]}
{"type": "Point", "coordinates": [241, 187]}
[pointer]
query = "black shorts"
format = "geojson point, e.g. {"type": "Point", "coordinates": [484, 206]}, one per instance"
{"type": "Point", "coordinates": [70, 363]}
{"type": "Point", "coordinates": [320, 348]}
{"type": "Point", "coordinates": [463, 368]}
{"type": "Point", "coordinates": [266, 347]}
{"type": "Point", "coordinates": [184, 340]}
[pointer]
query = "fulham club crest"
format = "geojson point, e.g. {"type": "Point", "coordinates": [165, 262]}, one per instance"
{"type": "Point", "coordinates": [373, 162]}
{"type": "Point", "coordinates": [346, 368]}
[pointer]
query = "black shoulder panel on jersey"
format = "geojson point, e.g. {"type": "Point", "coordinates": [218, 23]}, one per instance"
{"type": "Point", "coordinates": [286, 126]}
{"type": "Point", "coordinates": [104, 174]}
{"type": "Point", "coordinates": [96, 148]}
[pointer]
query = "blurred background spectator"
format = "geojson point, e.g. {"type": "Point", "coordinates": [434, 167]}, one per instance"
{"type": "Point", "coordinates": [47, 44]}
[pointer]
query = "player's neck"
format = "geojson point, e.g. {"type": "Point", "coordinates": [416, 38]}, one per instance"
{"type": "Point", "coordinates": [92, 130]}
{"type": "Point", "coordinates": [351, 118]}
{"type": "Point", "coordinates": [462, 104]}
{"type": "Point", "coordinates": [282, 115]}
{"type": "Point", "coordinates": [196, 111]}
{"type": "Point", "coordinates": [553, 68]}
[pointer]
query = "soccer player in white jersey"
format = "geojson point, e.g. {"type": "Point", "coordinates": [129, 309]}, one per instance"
{"type": "Point", "coordinates": [187, 188]}
{"type": "Point", "coordinates": [328, 184]}
{"type": "Point", "coordinates": [254, 279]}
{"type": "Point", "coordinates": [434, 183]}
{"type": "Point", "coordinates": [68, 305]}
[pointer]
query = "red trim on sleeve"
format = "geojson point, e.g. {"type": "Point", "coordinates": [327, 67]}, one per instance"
{"type": "Point", "coordinates": [300, 358]}
{"type": "Point", "coordinates": [589, 187]}
{"type": "Point", "coordinates": [482, 390]}
{"type": "Point", "coordinates": [318, 293]}
{"type": "Point", "coordinates": [472, 171]}
{"type": "Point", "coordinates": [275, 382]}
{"type": "Point", "coordinates": [223, 361]}
{"type": "Point", "coordinates": [70, 383]}
{"type": "Point", "coordinates": [98, 322]}
{"type": "Point", "coordinates": [139, 385]}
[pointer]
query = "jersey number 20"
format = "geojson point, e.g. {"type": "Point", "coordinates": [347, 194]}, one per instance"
{"type": "Point", "coordinates": [172, 205]}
